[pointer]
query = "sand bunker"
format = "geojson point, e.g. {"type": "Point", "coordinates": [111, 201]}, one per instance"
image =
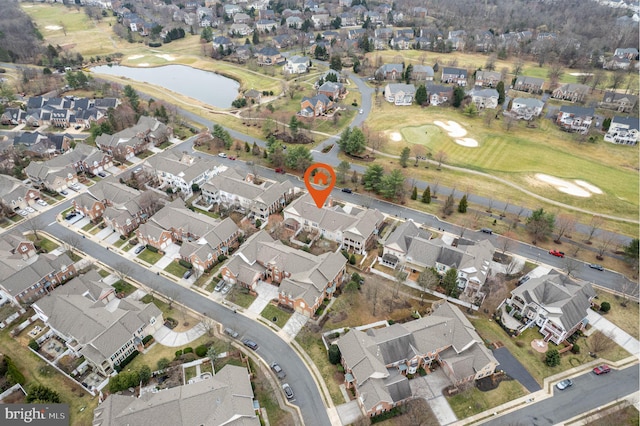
{"type": "Point", "coordinates": [577, 189]}
{"type": "Point", "coordinates": [457, 132]}
{"type": "Point", "coordinates": [395, 136]}
{"type": "Point", "coordinates": [134, 57]}
{"type": "Point", "coordinates": [144, 64]}
{"type": "Point", "coordinates": [166, 57]}
{"type": "Point", "coordinates": [578, 74]}
{"type": "Point", "coordinates": [53, 27]}
{"type": "Point", "coordinates": [591, 188]}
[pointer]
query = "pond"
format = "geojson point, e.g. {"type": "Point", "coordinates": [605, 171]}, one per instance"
{"type": "Point", "coordinates": [205, 86]}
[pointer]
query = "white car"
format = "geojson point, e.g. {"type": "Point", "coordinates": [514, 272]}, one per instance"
{"type": "Point", "coordinates": [30, 209]}
{"type": "Point", "coordinates": [222, 155]}
{"type": "Point", "coordinates": [42, 203]}
{"type": "Point", "coordinates": [23, 213]}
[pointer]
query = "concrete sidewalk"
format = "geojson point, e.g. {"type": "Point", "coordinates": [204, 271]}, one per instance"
{"type": "Point", "coordinates": [621, 337]}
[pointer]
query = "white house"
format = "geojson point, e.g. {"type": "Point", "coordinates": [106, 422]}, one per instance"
{"type": "Point", "coordinates": [400, 93]}
{"type": "Point", "coordinates": [623, 130]}
{"type": "Point", "coordinates": [297, 65]}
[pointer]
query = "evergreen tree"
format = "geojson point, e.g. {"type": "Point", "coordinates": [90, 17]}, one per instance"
{"type": "Point", "coordinates": [458, 96]}
{"type": "Point", "coordinates": [500, 89]}
{"type": "Point", "coordinates": [426, 195]}
{"type": "Point", "coordinates": [414, 193]}
{"type": "Point", "coordinates": [404, 157]}
{"type": "Point", "coordinates": [447, 209]}
{"type": "Point", "coordinates": [372, 178]}
{"type": "Point", "coordinates": [255, 38]}
{"type": "Point", "coordinates": [421, 95]}
{"type": "Point", "coordinates": [392, 185]}
{"type": "Point", "coordinates": [462, 206]}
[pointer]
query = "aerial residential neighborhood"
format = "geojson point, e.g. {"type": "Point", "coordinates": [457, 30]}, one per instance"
{"type": "Point", "coordinates": [319, 213]}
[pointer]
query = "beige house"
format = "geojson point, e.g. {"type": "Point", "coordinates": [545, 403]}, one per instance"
{"type": "Point", "coordinates": [94, 323]}
{"type": "Point", "coordinates": [376, 362]}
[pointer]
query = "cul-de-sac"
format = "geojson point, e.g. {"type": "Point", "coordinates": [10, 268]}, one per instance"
{"type": "Point", "coordinates": [165, 259]}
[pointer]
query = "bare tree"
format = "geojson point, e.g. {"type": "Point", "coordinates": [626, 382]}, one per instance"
{"type": "Point", "coordinates": [419, 413]}
{"type": "Point", "coordinates": [34, 225]}
{"type": "Point", "coordinates": [571, 265]}
{"type": "Point", "coordinates": [440, 157]}
{"type": "Point", "coordinates": [506, 206]}
{"type": "Point", "coordinates": [595, 224]}
{"type": "Point", "coordinates": [616, 80]}
{"type": "Point", "coordinates": [505, 241]}
{"type": "Point", "coordinates": [597, 79]}
{"type": "Point", "coordinates": [70, 242]}
{"type": "Point", "coordinates": [401, 277]}
{"type": "Point", "coordinates": [565, 223]}
{"type": "Point", "coordinates": [427, 280]}
{"type": "Point", "coordinates": [517, 67]}
{"type": "Point", "coordinates": [419, 151]}
{"type": "Point", "coordinates": [604, 240]}
{"type": "Point", "coordinates": [509, 122]}
{"type": "Point", "coordinates": [209, 325]}
{"type": "Point", "coordinates": [123, 270]}
{"type": "Point", "coordinates": [598, 341]}
{"type": "Point", "coordinates": [629, 290]}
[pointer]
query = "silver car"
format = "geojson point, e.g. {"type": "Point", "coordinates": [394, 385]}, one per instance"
{"type": "Point", "coordinates": [227, 288]}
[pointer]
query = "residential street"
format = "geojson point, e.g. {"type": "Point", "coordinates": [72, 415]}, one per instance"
{"type": "Point", "coordinates": [587, 393]}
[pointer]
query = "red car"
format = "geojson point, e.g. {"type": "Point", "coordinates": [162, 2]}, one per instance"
{"type": "Point", "coordinates": [232, 158]}
{"type": "Point", "coordinates": [280, 170]}
{"type": "Point", "coordinates": [602, 369]}
{"type": "Point", "coordinates": [556, 253]}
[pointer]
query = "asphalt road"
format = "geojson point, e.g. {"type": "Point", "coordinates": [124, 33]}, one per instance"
{"type": "Point", "coordinates": [271, 347]}
{"type": "Point", "coordinates": [587, 393]}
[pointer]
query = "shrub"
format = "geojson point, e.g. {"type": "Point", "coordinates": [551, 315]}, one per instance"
{"type": "Point", "coordinates": [147, 339]}
{"type": "Point", "coordinates": [509, 308]}
{"type": "Point", "coordinates": [201, 351]}
{"type": "Point", "coordinates": [163, 363]}
{"type": "Point", "coordinates": [34, 345]}
{"type": "Point", "coordinates": [395, 411]}
{"type": "Point", "coordinates": [334, 354]}
{"type": "Point", "coordinates": [552, 358]}
{"type": "Point", "coordinates": [185, 264]}
{"type": "Point", "coordinates": [178, 353]}
{"type": "Point", "coordinates": [147, 298]}
{"type": "Point", "coordinates": [123, 237]}
{"type": "Point", "coordinates": [155, 44]}
{"type": "Point", "coordinates": [127, 360]}
{"type": "Point", "coordinates": [520, 344]}
{"type": "Point", "coordinates": [152, 248]}
{"type": "Point", "coordinates": [222, 258]}
{"type": "Point", "coordinates": [187, 350]}
{"type": "Point", "coordinates": [258, 223]}
{"type": "Point", "coordinates": [605, 307]}
{"type": "Point", "coordinates": [42, 394]}
{"type": "Point", "coordinates": [576, 348]}
{"type": "Point", "coordinates": [352, 259]}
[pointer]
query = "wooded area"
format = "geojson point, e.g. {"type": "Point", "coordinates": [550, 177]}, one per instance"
{"type": "Point", "coordinates": [20, 41]}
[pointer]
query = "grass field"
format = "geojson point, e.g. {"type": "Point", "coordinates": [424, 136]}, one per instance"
{"type": "Point", "coordinates": [520, 153]}
{"type": "Point", "coordinates": [270, 312]}
{"type": "Point", "coordinates": [627, 318]}
{"type": "Point", "coordinates": [473, 401]}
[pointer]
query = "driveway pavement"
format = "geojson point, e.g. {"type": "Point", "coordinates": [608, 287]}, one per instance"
{"type": "Point", "coordinates": [430, 388]}
{"type": "Point", "coordinates": [266, 293]}
{"type": "Point", "coordinates": [515, 369]}
{"type": "Point", "coordinates": [171, 252]}
{"type": "Point", "coordinates": [294, 325]}
{"type": "Point", "coordinates": [111, 239]}
{"type": "Point", "coordinates": [106, 232]}
{"type": "Point", "coordinates": [167, 337]}
{"type": "Point", "coordinates": [621, 337]}
{"type": "Point", "coordinates": [349, 413]}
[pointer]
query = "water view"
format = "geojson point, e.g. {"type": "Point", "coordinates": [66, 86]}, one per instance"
{"type": "Point", "coordinates": [204, 86]}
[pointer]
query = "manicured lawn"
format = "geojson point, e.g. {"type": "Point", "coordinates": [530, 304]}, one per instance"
{"type": "Point", "coordinates": [175, 268]}
{"type": "Point", "coordinates": [88, 226]}
{"type": "Point", "coordinates": [119, 243]}
{"type": "Point", "coordinates": [164, 145]}
{"type": "Point", "coordinates": [95, 230]}
{"type": "Point", "coordinates": [624, 317]}
{"type": "Point", "coordinates": [272, 311]}
{"type": "Point", "coordinates": [239, 296]}
{"type": "Point", "coordinates": [45, 243]}
{"type": "Point", "coordinates": [81, 404]}
{"type": "Point", "coordinates": [123, 287]}
{"type": "Point", "coordinates": [149, 256]}
{"type": "Point", "coordinates": [159, 351]}
{"type": "Point", "coordinates": [189, 373]}
{"type": "Point", "coordinates": [473, 401]}
{"type": "Point", "coordinates": [103, 273]}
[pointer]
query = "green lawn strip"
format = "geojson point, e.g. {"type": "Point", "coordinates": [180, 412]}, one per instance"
{"type": "Point", "coordinates": [150, 256]}
{"type": "Point", "coordinates": [312, 345]}
{"type": "Point", "coordinates": [159, 351]}
{"type": "Point", "coordinates": [239, 296]}
{"type": "Point", "coordinates": [45, 243]}
{"type": "Point", "coordinates": [127, 247]}
{"type": "Point", "coordinates": [95, 230]}
{"type": "Point", "coordinates": [119, 242]}
{"type": "Point", "coordinates": [473, 401]}
{"type": "Point", "coordinates": [624, 317]}
{"type": "Point", "coordinates": [189, 373]}
{"type": "Point", "coordinates": [176, 269]}
{"type": "Point", "coordinates": [123, 287]}
{"type": "Point", "coordinates": [165, 144]}
{"type": "Point", "coordinates": [103, 273]}
{"type": "Point", "coordinates": [88, 226]}
{"type": "Point", "coordinates": [70, 393]}
{"type": "Point", "coordinates": [271, 311]}
{"type": "Point", "coordinates": [265, 394]}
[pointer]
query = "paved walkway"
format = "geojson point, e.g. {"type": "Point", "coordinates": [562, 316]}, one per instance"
{"type": "Point", "coordinates": [621, 337]}
{"type": "Point", "coordinates": [167, 337]}
{"type": "Point", "coordinates": [266, 293]}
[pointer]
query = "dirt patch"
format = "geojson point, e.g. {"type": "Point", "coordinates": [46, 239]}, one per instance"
{"type": "Point", "coordinates": [338, 317]}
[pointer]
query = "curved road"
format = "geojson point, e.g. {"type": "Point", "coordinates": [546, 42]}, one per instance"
{"type": "Point", "coordinates": [272, 347]}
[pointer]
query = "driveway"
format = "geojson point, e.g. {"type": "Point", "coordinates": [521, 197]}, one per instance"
{"type": "Point", "coordinates": [170, 253]}
{"type": "Point", "coordinates": [111, 239]}
{"type": "Point", "coordinates": [266, 293]}
{"type": "Point", "coordinates": [349, 413]}
{"type": "Point", "coordinates": [430, 388]}
{"type": "Point", "coordinates": [167, 337]}
{"type": "Point", "coordinates": [106, 232]}
{"type": "Point", "coordinates": [515, 369]}
{"type": "Point", "coordinates": [294, 325]}
{"type": "Point", "coordinates": [621, 337]}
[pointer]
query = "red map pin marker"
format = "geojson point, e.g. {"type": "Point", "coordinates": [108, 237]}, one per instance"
{"type": "Point", "coordinates": [324, 178]}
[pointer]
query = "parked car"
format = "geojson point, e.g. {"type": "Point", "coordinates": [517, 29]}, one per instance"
{"type": "Point", "coordinates": [523, 280]}
{"type": "Point", "coordinates": [278, 370]}
{"type": "Point", "coordinates": [78, 127]}
{"type": "Point", "coordinates": [347, 190]}
{"type": "Point", "coordinates": [227, 288]}
{"type": "Point", "coordinates": [564, 384]}
{"type": "Point", "coordinates": [63, 192]}
{"type": "Point", "coordinates": [140, 249]}
{"type": "Point", "coordinates": [602, 369]}
{"type": "Point", "coordinates": [30, 209]}
{"type": "Point", "coordinates": [102, 174]}
{"type": "Point", "coordinates": [280, 170]}
{"type": "Point", "coordinates": [231, 332]}
{"type": "Point", "coordinates": [23, 213]}
{"type": "Point", "coordinates": [220, 285]}
{"type": "Point", "coordinates": [232, 158]}
{"type": "Point", "coordinates": [187, 274]}
{"type": "Point", "coordinates": [556, 253]}
{"type": "Point", "coordinates": [287, 391]}
{"type": "Point", "coordinates": [70, 216]}
{"type": "Point", "coordinates": [250, 344]}
{"type": "Point", "coordinates": [487, 230]}
{"type": "Point", "coordinates": [361, 111]}
{"type": "Point", "coordinates": [222, 155]}
{"type": "Point", "coordinates": [596, 266]}
{"type": "Point", "coordinates": [42, 203]}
